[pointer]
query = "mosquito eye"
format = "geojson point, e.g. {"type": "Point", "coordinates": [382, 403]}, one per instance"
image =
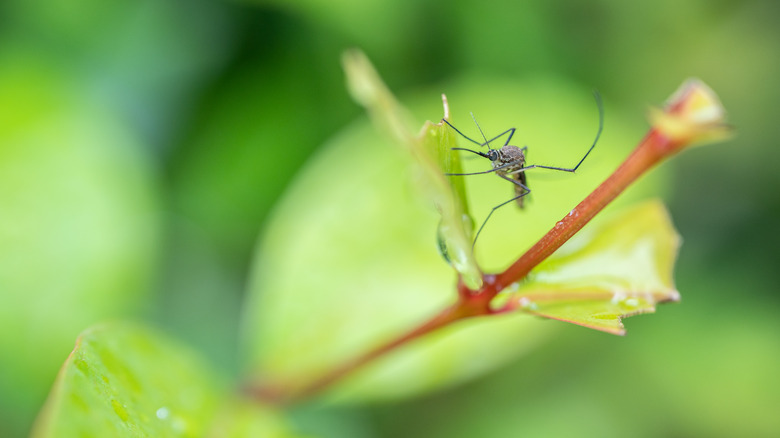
{"type": "Point", "coordinates": [493, 155]}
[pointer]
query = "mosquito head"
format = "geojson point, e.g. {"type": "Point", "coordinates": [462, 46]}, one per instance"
{"type": "Point", "coordinates": [492, 155]}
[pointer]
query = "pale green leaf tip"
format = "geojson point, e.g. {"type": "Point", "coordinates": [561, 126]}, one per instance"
{"type": "Point", "coordinates": [432, 150]}
{"type": "Point", "coordinates": [363, 81]}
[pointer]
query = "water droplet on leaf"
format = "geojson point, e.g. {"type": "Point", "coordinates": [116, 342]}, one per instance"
{"type": "Point", "coordinates": [163, 413]}
{"type": "Point", "coordinates": [458, 254]}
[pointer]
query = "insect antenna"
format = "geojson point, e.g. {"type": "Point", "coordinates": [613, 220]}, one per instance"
{"type": "Point", "coordinates": [487, 142]}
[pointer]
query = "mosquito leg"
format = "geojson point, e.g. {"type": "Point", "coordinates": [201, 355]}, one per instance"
{"type": "Point", "coordinates": [600, 105]}
{"type": "Point", "coordinates": [511, 132]}
{"type": "Point", "coordinates": [515, 182]}
{"type": "Point", "coordinates": [538, 166]}
{"type": "Point", "coordinates": [461, 134]}
{"type": "Point", "coordinates": [501, 167]}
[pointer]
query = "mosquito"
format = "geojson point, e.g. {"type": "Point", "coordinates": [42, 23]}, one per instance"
{"type": "Point", "coordinates": [509, 161]}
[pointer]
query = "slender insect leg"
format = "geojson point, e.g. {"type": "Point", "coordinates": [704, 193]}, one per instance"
{"type": "Point", "coordinates": [597, 96]}
{"type": "Point", "coordinates": [511, 132]}
{"type": "Point", "coordinates": [501, 167]}
{"type": "Point", "coordinates": [515, 182]}
{"type": "Point", "coordinates": [537, 166]}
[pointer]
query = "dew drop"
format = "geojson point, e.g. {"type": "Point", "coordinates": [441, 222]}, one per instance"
{"type": "Point", "coordinates": [632, 302]}
{"type": "Point", "coordinates": [163, 413]}
{"type": "Point", "coordinates": [458, 253]}
{"type": "Point", "coordinates": [442, 242]}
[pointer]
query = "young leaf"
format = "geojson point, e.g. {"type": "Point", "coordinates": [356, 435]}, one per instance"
{"type": "Point", "coordinates": [610, 270]}
{"type": "Point", "coordinates": [432, 151]}
{"type": "Point", "coordinates": [454, 231]}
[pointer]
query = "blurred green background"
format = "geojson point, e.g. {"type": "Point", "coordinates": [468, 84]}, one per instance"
{"type": "Point", "coordinates": [143, 144]}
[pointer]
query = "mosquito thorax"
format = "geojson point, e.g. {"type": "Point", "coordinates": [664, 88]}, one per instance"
{"type": "Point", "coordinates": [510, 154]}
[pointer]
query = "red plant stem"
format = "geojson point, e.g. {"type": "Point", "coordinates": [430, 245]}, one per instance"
{"type": "Point", "coordinates": [653, 148]}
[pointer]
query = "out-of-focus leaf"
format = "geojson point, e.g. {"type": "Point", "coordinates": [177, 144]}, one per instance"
{"type": "Point", "coordinates": [126, 380]}
{"type": "Point", "coordinates": [611, 269]}
{"type": "Point", "coordinates": [78, 227]}
{"type": "Point", "coordinates": [432, 150]}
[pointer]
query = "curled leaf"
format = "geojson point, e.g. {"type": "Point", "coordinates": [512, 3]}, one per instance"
{"type": "Point", "coordinates": [610, 270]}
{"type": "Point", "coordinates": [432, 150]}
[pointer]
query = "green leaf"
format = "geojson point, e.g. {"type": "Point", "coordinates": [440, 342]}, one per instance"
{"type": "Point", "coordinates": [432, 151]}
{"type": "Point", "coordinates": [127, 380]}
{"type": "Point", "coordinates": [612, 269]}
